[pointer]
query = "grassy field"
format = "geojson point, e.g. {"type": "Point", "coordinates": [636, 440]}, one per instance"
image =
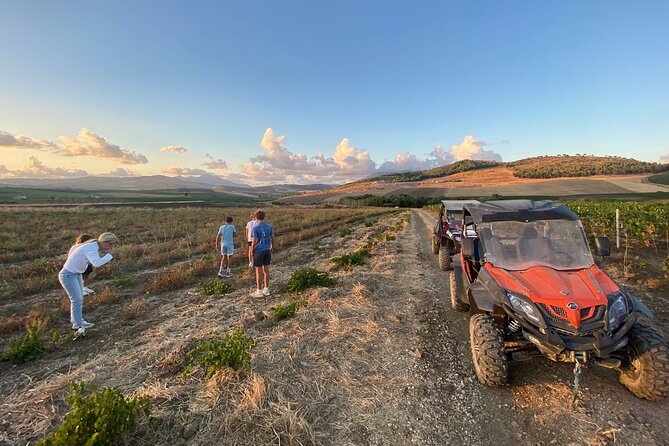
{"type": "Point", "coordinates": [34, 241]}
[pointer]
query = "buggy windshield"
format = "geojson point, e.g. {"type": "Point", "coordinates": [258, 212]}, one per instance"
{"type": "Point", "coordinates": [517, 245]}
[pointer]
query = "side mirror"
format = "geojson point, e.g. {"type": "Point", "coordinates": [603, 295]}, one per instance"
{"type": "Point", "coordinates": [602, 246]}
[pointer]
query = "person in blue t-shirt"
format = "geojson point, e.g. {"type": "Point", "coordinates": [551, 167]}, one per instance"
{"type": "Point", "coordinates": [262, 248]}
{"type": "Point", "coordinates": [225, 235]}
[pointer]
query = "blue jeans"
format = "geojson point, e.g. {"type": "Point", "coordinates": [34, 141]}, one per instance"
{"type": "Point", "coordinates": [74, 286]}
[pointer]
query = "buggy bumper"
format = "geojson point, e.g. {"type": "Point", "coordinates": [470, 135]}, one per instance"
{"type": "Point", "coordinates": [558, 345]}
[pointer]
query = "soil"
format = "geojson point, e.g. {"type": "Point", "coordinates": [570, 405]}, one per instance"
{"type": "Point", "coordinates": [379, 358]}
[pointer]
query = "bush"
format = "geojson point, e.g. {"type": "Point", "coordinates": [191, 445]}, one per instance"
{"type": "Point", "coordinates": [211, 287]}
{"type": "Point", "coordinates": [349, 260]}
{"type": "Point", "coordinates": [282, 312]}
{"type": "Point", "coordinates": [25, 348]}
{"type": "Point", "coordinates": [97, 416]}
{"type": "Point", "coordinates": [305, 278]}
{"type": "Point", "coordinates": [217, 353]}
{"type": "Point", "coordinates": [344, 232]}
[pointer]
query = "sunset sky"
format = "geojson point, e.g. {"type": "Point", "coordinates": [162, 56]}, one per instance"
{"type": "Point", "coordinates": [309, 91]}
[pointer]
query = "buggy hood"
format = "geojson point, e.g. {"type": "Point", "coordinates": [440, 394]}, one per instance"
{"type": "Point", "coordinates": [587, 288]}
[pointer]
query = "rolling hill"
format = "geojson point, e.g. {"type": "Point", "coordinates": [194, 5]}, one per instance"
{"type": "Point", "coordinates": [561, 176]}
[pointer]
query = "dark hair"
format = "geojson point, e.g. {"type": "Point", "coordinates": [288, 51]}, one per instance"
{"type": "Point", "coordinates": [228, 219]}
{"type": "Point", "coordinates": [83, 238]}
{"type": "Point", "coordinates": [260, 214]}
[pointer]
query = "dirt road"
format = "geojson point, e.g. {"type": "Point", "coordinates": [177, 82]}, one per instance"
{"type": "Point", "coordinates": [380, 358]}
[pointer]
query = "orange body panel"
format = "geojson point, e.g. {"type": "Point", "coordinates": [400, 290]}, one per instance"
{"type": "Point", "coordinates": [587, 288]}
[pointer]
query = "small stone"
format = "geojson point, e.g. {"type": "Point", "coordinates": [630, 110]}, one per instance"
{"type": "Point", "coordinates": [418, 354]}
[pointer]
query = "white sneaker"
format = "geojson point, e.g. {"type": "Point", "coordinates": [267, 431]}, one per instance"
{"type": "Point", "coordinates": [228, 272]}
{"type": "Point", "coordinates": [257, 293]}
{"type": "Point", "coordinates": [88, 291]}
{"type": "Point", "coordinates": [84, 324]}
{"type": "Point", "coordinates": [265, 291]}
{"type": "Point", "coordinates": [250, 264]}
{"type": "Point", "coordinates": [81, 331]}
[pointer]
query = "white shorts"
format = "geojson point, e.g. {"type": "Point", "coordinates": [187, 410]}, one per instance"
{"type": "Point", "coordinates": [227, 250]}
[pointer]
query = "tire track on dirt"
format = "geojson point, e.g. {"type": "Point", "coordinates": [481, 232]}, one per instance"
{"type": "Point", "coordinates": [444, 404]}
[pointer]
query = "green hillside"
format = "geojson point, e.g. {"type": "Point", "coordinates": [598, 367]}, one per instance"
{"type": "Point", "coordinates": [558, 166]}
{"type": "Point", "coordinates": [581, 166]}
{"type": "Point", "coordinates": [441, 171]}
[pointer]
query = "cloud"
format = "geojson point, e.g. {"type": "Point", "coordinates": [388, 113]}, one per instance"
{"type": "Point", "coordinates": [121, 172]}
{"type": "Point", "coordinates": [173, 149]}
{"type": "Point", "coordinates": [278, 163]}
{"type": "Point", "coordinates": [664, 158]}
{"type": "Point", "coordinates": [471, 149]}
{"type": "Point", "coordinates": [34, 168]}
{"type": "Point", "coordinates": [86, 143]}
{"type": "Point", "coordinates": [91, 144]}
{"type": "Point", "coordinates": [185, 171]}
{"type": "Point", "coordinates": [215, 164]}
{"type": "Point", "coordinates": [353, 161]}
{"type": "Point", "coordinates": [24, 142]}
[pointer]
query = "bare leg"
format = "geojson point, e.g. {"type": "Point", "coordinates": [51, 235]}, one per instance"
{"type": "Point", "coordinates": [258, 279]}
{"type": "Point", "coordinates": [265, 269]}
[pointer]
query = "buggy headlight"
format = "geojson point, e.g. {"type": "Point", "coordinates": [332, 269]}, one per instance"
{"type": "Point", "coordinates": [525, 308]}
{"type": "Point", "coordinates": [617, 311]}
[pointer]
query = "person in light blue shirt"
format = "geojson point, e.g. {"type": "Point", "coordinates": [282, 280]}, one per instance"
{"type": "Point", "coordinates": [262, 247]}
{"type": "Point", "coordinates": [224, 239]}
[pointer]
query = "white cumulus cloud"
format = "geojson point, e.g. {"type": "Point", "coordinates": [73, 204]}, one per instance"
{"type": "Point", "coordinates": [185, 171]}
{"type": "Point", "coordinates": [86, 143]}
{"type": "Point", "coordinates": [471, 149]}
{"type": "Point", "coordinates": [173, 149]}
{"type": "Point", "coordinates": [34, 168]}
{"type": "Point", "coordinates": [664, 158]}
{"type": "Point", "coordinates": [215, 164]}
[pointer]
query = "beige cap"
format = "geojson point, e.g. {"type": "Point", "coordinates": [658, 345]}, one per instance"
{"type": "Point", "coordinates": [108, 237]}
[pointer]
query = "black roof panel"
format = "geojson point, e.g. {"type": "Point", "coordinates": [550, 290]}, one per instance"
{"type": "Point", "coordinates": [519, 210]}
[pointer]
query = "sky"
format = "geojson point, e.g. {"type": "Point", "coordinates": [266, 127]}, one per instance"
{"type": "Point", "coordinates": [263, 92]}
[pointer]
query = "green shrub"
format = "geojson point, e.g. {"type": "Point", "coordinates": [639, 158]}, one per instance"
{"type": "Point", "coordinates": [211, 287]}
{"type": "Point", "coordinates": [282, 312]}
{"type": "Point", "coordinates": [25, 348]}
{"type": "Point", "coordinates": [304, 278]}
{"type": "Point", "coordinates": [97, 416]}
{"type": "Point", "coordinates": [344, 232]}
{"type": "Point", "coordinates": [352, 259]}
{"type": "Point", "coordinates": [370, 223]}
{"type": "Point", "coordinates": [122, 282]}
{"type": "Point", "coordinates": [218, 353]}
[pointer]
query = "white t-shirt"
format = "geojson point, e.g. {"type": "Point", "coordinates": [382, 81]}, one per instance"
{"type": "Point", "coordinates": [81, 255]}
{"type": "Point", "coordinates": [249, 229]}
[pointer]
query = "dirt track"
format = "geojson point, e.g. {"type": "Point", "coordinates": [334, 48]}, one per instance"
{"type": "Point", "coordinates": [378, 359]}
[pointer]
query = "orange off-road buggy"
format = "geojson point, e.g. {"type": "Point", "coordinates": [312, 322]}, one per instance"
{"type": "Point", "coordinates": [446, 233]}
{"type": "Point", "coordinates": [527, 276]}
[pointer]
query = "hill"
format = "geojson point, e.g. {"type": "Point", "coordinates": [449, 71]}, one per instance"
{"type": "Point", "coordinates": [562, 166]}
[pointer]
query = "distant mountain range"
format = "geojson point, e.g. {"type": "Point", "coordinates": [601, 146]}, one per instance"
{"type": "Point", "coordinates": [158, 182]}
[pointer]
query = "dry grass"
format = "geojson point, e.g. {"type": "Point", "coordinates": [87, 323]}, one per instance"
{"type": "Point", "coordinates": [316, 378]}
{"type": "Point", "coordinates": [134, 309]}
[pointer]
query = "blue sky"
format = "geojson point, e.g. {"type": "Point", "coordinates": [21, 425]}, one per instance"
{"type": "Point", "coordinates": [254, 91]}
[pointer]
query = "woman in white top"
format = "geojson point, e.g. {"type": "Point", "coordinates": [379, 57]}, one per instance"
{"type": "Point", "coordinates": [249, 236]}
{"type": "Point", "coordinates": [70, 277]}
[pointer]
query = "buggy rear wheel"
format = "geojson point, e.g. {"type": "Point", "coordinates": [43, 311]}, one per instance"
{"type": "Point", "coordinates": [445, 262]}
{"type": "Point", "coordinates": [647, 373]}
{"type": "Point", "coordinates": [457, 291]}
{"type": "Point", "coordinates": [487, 344]}
{"type": "Point", "coordinates": [435, 244]}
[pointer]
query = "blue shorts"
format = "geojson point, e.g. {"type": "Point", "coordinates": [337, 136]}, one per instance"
{"type": "Point", "coordinates": [261, 258]}
{"type": "Point", "coordinates": [227, 250]}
